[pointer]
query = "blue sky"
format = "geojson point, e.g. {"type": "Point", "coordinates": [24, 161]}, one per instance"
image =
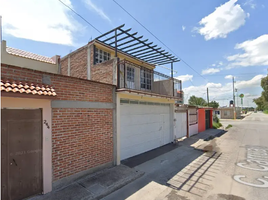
{"type": "Point", "coordinates": [219, 39]}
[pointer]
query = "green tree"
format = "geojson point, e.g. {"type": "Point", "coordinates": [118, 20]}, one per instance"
{"type": "Point", "coordinates": [197, 101]}
{"type": "Point", "coordinates": [262, 101]}
{"type": "Point", "coordinates": [214, 104]}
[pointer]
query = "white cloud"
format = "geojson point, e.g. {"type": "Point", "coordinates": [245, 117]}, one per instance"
{"type": "Point", "coordinates": [210, 71]}
{"type": "Point", "coordinates": [98, 10]}
{"type": "Point", "coordinates": [225, 19]}
{"type": "Point", "coordinates": [250, 3]}
{"type": "Point", "coordinates": [183, 28]}
{"type": "Point", "coordinates": [217, 64]}
{"type": "Point", "coordinates": [228, 77]}
{"type": "Point", "coordinates": [45, 21]}
{"type": "Point", "coordinates": [218, 92]}
{"type": "Point", "coordinates": [184, 78]}
{"type": "Point", "coordinates": [254, 82]}
{"type": "Point", "coordinates": [255, 53]}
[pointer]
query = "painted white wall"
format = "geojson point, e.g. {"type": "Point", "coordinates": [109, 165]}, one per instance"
{"type": "Point", "coordinates": [193, 129]}
{"type": "Point", "coordinates": [180, 124]}
{"type": "Point", "coordinates": [25, 103]}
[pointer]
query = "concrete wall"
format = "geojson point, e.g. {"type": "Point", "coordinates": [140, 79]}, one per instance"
{"type": "Point", "coordinates": [26, 62]}
{"type": "Point", "coordinates": [228, 113]}
{"type": "Point", "coordinates": [163, 87]}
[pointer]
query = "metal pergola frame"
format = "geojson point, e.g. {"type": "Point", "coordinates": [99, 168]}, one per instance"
{"type": "Point", "coordinates": [133, 46]}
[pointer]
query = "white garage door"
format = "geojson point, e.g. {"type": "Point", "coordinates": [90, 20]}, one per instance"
{"type": "Point", "coordinates": [180, 124]}
{"type": "Point", "coordinates": [143, 127]}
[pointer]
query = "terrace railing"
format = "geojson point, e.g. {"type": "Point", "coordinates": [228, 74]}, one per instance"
{"type": "Point", "coordinates": [135, 77]}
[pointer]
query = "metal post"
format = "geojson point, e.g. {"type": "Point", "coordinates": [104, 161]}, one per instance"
{"type": "Point", "coordinates": [125, 75]}
{"type": "Point", "coordinates": [115, 53]}
{"type": "Point", "coordinates": [172, 78]}
{"type": "Point", "coordinates": [234, 99]}
{"type": "Point", "coordinates": [117, 59]}
{"type": "Point", "coordinates": [208, 97]}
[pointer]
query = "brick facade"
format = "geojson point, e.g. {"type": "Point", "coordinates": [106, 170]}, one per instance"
{"type": "Point", "coordinates": [78, 63]}
{"type": "Point", "coordinates": [103, 72]}
{"type": "Point", "coordinates": [81, 138]}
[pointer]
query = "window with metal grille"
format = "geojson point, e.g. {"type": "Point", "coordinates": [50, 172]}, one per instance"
{"type": "Point", "coordinates": [146, 79]}
{"type": "Point", "coordinates": [130, 74]}
{"type": "Point", "coordinates": [101, 56]}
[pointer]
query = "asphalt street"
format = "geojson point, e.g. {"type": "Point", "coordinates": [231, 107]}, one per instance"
{"type": "Point", "coordinates": [233, 166]}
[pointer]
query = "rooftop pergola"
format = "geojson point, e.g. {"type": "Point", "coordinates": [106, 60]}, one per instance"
{"type": "Point", "coordinates": [124, 41]}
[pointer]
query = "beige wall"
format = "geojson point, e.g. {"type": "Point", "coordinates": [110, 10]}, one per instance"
{"type": "Point", "coordinates": [163, 87]}
{"type": "Point", "coordinates": [26, 62]}
{"type": "Point", "coordinates": [24, 103]}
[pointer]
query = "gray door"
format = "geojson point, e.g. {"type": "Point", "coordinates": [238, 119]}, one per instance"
{"type": "Point", "coordinates": [21, 153]}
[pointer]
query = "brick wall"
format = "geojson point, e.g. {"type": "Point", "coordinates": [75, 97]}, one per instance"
{"type": "Point", "coordinates": [78, 63]}
{"type": "Point", "coordinates": [81, 138]}
{"type": "Point", "coordinates": [64, 66]}
{"type": "Point", "coordinates": [103, 72]}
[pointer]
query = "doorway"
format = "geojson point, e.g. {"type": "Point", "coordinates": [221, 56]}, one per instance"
{"type": "Point", "coordinates": [21, 153]}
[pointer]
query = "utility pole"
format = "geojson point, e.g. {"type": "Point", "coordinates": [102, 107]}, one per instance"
{"type": "Point", "coordinates": [208, 97]}
{"type": "Point", "coordinates": [236, 90]}
{"type": "Point", "coordinates": [234, 98]}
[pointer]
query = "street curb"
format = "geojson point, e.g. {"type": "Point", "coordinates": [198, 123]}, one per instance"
{"type": "Point", "coordinates": [123, 183]}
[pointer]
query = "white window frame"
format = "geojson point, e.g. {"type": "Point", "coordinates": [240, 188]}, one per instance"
{"type": "Point", "coordinates": [145, 75]}
{"type": "Point", "coordinates": [130, 77]}
{"type": "Point", "coordinates": [101, 56]}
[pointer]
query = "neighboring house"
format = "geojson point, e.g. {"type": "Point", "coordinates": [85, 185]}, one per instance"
{"type": "Point", "coordinates": [55, 128]}
{"type": "Point", "coordinates": [186, 120]}
{"type": "Point", "coordinates": [205, 118]}
{"type": "Point", "coordinates": [145, 98]}
{"type": "Point", "coordinates": [228, 112]}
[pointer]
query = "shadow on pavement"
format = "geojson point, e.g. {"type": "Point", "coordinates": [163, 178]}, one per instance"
{"type": "Point", "coordinates": [178, 167]}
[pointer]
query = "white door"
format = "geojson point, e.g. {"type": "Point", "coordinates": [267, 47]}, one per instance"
{"type": "Point", "coordinates": [180, 124]}
{"type": "Point", "coordinates": [143, 128]}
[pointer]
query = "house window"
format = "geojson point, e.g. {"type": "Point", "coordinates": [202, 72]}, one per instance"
{"type": "Point", "coordinates": [130, 74]}
{"type": "Point", "coordinates": [101, 56]}
{"type": "Point", "coordinates": [130, 83]}
{"type": "Point", "coordinates": [146, 79]}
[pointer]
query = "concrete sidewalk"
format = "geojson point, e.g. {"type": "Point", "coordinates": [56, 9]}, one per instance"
{"type": "Point", "coordinates": [154, 184]}
{"type": "Point", "coordinates": [94, 186]}
{"type": "Point", "coordinates": [103, 183]}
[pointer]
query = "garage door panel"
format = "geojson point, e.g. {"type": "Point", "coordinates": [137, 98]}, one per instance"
{"type": "Point", "coordinates": [136, 137]}
{"type": "Point", "coordinates": [138, 148]}
{"type": "Point", "coordinates": [143, 128]}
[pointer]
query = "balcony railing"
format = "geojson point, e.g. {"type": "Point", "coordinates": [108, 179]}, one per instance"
{"type": "Point", "coordinates": [134, 77]}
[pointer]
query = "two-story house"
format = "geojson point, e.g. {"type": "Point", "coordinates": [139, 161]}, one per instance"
{"type": "Point", "coordinates": [145, 98]}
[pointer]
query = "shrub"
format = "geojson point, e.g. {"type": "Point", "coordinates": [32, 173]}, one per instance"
{"type": "Point", "coordinates": [229, 126]}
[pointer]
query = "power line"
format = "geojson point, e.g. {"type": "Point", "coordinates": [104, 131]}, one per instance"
{"type": "Point", "coordinates": [158, 39]}
{"type": "Point", "coordinates": [80, 16]}
{"type": "Point", "coordinates": [240, 74]}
